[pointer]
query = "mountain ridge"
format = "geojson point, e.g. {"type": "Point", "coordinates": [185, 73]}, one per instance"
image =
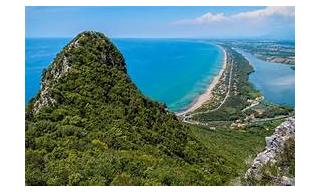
{"type": "Point", "coordinates": [89, 110]}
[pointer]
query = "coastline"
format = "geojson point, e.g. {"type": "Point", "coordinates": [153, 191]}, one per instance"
{"type": "Point", "coordinates": [207, 95]}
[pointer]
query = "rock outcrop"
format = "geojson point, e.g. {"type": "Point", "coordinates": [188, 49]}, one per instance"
{"type": "Point", "coordinates": [274, 146]}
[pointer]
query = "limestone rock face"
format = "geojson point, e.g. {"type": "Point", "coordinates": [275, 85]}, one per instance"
{"type": "Point", "coordinates": [286, 181]}
{"type": "Point", "coordinates": [274, 146]}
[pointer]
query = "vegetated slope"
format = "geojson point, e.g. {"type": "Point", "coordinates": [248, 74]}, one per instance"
{"type": "Point", "coordinates": [90, 125]}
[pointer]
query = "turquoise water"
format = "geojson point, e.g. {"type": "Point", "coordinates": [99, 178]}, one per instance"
{"type": "Point", "coordinates": [172, 71]}
{"type": "Point", "coordinates": [39, 53]}
{"type": "Point", "coordinates": [276, 81]}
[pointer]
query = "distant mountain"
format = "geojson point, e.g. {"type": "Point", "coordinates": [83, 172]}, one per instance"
{"type": "Point", "coordinates": [90, 125]}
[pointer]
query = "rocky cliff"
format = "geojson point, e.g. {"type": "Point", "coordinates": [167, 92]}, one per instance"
{"type": "Point", "coordinates": [264, 169]}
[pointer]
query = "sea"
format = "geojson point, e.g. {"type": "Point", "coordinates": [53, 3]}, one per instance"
{"type": "Point", "coordinates": [171, 71]}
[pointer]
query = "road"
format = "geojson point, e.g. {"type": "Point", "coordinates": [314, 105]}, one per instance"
{"type": "Point", "coordinates": [190, 115]}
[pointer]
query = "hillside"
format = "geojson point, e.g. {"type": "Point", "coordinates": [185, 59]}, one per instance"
{"type": "Point", "coordinates": [90, 125]}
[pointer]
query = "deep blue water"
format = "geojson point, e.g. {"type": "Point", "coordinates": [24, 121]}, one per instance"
{"type": "Point", "coordinates": [172, 71]}
{"type": "Point", "coordinates": [276, 81]}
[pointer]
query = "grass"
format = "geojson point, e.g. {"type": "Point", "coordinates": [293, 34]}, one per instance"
{"type": "Point", "coordinates": [237, 146]}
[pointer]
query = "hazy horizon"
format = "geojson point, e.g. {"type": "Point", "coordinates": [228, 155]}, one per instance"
{"type": "Point", "coordinates": [195, 38]}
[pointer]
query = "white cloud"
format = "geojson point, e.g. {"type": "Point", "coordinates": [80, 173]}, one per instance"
{"type": "Point", "coordinates": [265, 13]}
{"type": "Point", "coordinates": [204, 19]}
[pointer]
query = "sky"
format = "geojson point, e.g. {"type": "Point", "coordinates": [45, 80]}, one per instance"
{"type": "Point", "coordinates": [163, 22]}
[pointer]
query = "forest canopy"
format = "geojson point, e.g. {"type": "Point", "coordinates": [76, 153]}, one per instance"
{"type": "Point", "coordinates": [90, 125]}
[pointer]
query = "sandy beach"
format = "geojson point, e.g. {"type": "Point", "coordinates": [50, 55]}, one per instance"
{"type": "Point", "coordinates": [207, 95]}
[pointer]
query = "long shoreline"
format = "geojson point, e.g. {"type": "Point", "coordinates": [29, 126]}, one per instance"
{"type": "Point", "coordinates": [207, 95]}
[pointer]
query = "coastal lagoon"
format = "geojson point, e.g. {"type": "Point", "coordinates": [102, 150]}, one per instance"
{"type": "Point", "coordinates": [276, 81]}
{"type": "Point", "coordinates": [172, 71]}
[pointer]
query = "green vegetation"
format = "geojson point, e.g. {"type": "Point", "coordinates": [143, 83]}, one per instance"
{"type": "Point", "coordinates": [238, 146]}
{"type": "Point", "coordinates": [90, 125]}
{"type": "Point", "coordinates": [268, 110]}
{"type": "Point", "coordinates": [100, 130]}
